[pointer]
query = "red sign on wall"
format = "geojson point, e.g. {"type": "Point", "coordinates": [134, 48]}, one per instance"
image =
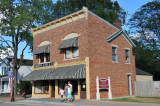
{"type": "Point", "coordinates": [103, 84]}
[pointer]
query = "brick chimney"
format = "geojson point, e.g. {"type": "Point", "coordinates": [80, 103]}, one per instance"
{"type": "Point", "coordinates": [118, 24]}
{"type": "Point", "coordinates": [21, 57]}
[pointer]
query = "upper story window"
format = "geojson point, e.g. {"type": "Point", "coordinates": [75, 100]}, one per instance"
{"type": "Point", "coordinates": [41, 58]}
{"type": "Point", "coordinates": [47, 57]}
{"type": "Point", "coordinates": [127, 56]}
{"type": "Point", "coordinates": [114, 54]}
{"type": "Point", "coordinates": [75, 52]}
{"type": "Point", "coordinates": [71, 53]}
{"type": "Point", "coordinates": [43, 52]}
{"type": "Point", "coordinates": [70, 46]}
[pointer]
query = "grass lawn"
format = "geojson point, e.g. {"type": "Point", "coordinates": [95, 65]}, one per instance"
{"type": "Point", "coordinates": [138, 100]}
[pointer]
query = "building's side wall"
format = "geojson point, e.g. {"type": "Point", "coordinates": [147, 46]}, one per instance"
{"type": "Point", "coordinates": [101, 65]}
{"type": "Point", "coordinates": [144, 78]}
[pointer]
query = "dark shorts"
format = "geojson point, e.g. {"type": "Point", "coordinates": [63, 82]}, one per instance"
{"type": "Point", "coordinates": [61, 96]}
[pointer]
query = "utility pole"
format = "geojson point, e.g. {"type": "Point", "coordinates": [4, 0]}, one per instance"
{"type": "Point", "coordinates": [12, 89]}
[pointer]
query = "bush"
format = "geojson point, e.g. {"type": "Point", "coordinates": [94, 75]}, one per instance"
{"type": "Point", "coordinates": [23, 86]}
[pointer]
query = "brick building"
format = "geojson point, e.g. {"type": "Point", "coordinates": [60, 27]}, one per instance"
{"type": "Point", "coordinates": [78, 48]}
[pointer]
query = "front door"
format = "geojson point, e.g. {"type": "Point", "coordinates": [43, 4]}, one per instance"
{"type": "Point", "coordinates": [83, 89]}
{"type": "Point", "coordinates": [53, 88]}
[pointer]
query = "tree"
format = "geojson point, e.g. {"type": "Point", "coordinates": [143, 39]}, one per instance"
{"type": "Point", "coordinates": [145, 25]}
{"type": "Point", "coordinates": [106, 9]}
{"type": "Point", "coordinates": [17, 17]}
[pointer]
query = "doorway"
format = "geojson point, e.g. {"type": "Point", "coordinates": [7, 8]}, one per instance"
{"type": "Point", "coordinates": [53, 88]}
{"type": "Point", "coordinates": [83, 89]}
{"type": "Point", "coordinates": [129, 85]}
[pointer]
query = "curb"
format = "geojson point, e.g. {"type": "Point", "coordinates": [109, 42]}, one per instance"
{"type": "Point", "coordinates": [45, 102]}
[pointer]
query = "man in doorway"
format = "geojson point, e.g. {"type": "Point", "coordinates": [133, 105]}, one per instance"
{"type": "Point", "coordinates": [70, 85]}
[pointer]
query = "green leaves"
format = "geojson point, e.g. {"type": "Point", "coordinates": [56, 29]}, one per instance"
{"type": "Point", "coordinates": [104, 8]}
{"type": "Point", "coordinates": [146, 22]}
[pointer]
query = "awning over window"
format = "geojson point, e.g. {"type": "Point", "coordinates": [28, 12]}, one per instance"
{"type": "Point", "coordinates": [69, 72]}
{"type": "Point", "coordinates": [43, 49]}
{"type": "Point", "coordinates": [37, 75]}
{"type": "Point", "coordinates": [72, 42]}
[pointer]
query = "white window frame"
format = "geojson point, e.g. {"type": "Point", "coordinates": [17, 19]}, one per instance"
{"type": "Point", "coordinates": [129, 62]}
{"type": "Point", "coordinates": [71, 55]}
{"type": "Point", "coordinates": [116, 54]}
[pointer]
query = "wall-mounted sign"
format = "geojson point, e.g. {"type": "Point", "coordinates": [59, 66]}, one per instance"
{"type": "Point", "coordinates": [44, 64]}
{"type": "Point", "coordinates": [156, 86]}
{"type": "Point", "coordinates": [103, 83]}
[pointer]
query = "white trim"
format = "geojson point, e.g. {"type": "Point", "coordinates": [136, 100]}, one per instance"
{"type": "Point", "coordinates": [116, 54]}
{"type": "Point", "coordinates": [71, 59]}
{"type": "Point", "coordinates": [129, 57]}
{"type": "Point", "coordinates": [114, 46]}
{"type": "Point", "coordinates": [127, 48]}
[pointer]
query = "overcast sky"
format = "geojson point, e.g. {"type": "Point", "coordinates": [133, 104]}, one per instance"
{"type": "Point", "coordinates": [130, 6]}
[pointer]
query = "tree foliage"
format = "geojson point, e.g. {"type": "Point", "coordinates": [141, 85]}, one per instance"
{"type": "Point", "coordinates": [106, 9]}
{"type": "Point", "coordinates": [24, 87]}
{"type": "Point", "coordinates": [17, 17]}
{"type": "Point", "coordinates": [146, 23]}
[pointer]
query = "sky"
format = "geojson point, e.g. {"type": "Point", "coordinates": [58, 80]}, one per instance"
{"type": "Point", "coordinates": [130, 6]}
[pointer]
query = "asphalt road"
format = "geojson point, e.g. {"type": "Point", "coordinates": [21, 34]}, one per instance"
{"type": "Point", "coordinates": [89, 103]}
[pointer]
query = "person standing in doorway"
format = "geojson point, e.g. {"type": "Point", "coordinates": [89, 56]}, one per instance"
{"type": "Point", "coordinates": [69, 94]}
{"type": "Point", "coordinates": [66, 91]}
{"type": "Point", "coordinates": [70, 86]}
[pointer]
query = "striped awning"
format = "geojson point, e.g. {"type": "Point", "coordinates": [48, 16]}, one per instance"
{"type": "Point", "coordinates": [72, 42]}
{"type": "Point", "coordinates": [43, 49]}
{"type": "Point", "coordinates": [68, 72]}
{"type": "Point", "coordinates": [37, 75]}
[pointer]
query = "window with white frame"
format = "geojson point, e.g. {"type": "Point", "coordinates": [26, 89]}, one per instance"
{"type": "Point", "coordinates": [114, 54]}
{"type": "Point", "coordinates": [44, 57]}
{"type": "Point", "coordinates": [127, 56]}
{"type": "Point", "coordinates": [75, 52]}
{"type": "Point", "coordinates": [71, 53]}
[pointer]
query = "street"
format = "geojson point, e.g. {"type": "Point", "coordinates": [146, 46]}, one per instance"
{"type": "Point", "coordinates": [82, 103]}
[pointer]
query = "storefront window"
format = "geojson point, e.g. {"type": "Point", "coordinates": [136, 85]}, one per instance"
{"type": "Point", "coordinates": [41, 86]}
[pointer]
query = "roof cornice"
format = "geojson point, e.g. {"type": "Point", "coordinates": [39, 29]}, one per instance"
{"type": "Point", "coordinates": [125, 35]}
{"type": "Point", "coordinates": [83, 13]}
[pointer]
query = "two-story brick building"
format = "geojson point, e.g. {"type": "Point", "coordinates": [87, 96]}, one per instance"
{"type": "Point", "coordinates": [78, 48]}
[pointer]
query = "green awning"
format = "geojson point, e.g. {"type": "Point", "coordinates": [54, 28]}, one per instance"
{"type": "Point", "coordinates": [72, 42]}
{"type": "Point", "coordinates": [37, 75]}
{"type": "Point", "coordinates": [43, 49]}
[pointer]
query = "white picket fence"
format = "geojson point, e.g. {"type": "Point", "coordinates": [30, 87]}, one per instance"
{"type": "Point", "coordinates": [147, 88]}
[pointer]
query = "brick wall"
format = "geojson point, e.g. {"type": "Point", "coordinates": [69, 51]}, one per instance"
{"type": "Point", "coordinates": [101, 64]}
{"type": "Point", "coordinates": [56, 35]}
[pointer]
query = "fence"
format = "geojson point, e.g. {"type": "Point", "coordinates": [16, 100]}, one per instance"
{"type": "Point", "coordinates": [147, 88]}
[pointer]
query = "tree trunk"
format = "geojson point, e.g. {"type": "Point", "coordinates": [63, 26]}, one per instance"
{"type": "Point", "coordinates": [15, 70]}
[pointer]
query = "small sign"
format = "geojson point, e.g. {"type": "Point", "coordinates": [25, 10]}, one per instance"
{"type": "Point", "coordinates": [103, 84]}
{"type": "Point", "coordinates": [43, 65]}
{"type": "Point", "coordinates": [156, 86]}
